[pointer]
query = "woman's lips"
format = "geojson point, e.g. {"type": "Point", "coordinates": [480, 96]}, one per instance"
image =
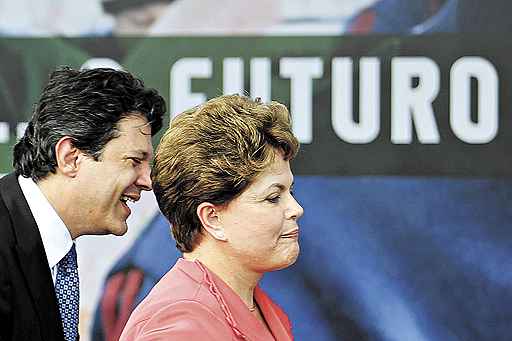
{"type": "Point", "coordinates": [292, 234]}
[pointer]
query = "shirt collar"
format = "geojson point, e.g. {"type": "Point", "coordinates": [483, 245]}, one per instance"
{"type": "Point", "coordinates": [55, 236]}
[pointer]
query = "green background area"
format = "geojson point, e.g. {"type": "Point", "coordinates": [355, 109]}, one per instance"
{"type": "Point", "coordinates": [26, 64]}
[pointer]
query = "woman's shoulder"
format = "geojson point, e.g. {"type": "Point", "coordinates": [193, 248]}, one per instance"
{"type": "Point", "coordinates": [179, 301]}
{"type": "Point", "coordinates": [179, 319]}
{"type": "Point", "coordinates": [181, 285]}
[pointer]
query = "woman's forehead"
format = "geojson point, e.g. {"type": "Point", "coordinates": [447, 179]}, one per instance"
{"type": "Point", "coordinates": [278, 174]}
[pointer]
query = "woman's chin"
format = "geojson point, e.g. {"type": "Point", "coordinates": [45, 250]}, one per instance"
{"type": "Point", "coordinates": [288, 259]}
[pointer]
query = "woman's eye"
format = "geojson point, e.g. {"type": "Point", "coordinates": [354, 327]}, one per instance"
{"type": "Point", "coordinates": [274, 199]}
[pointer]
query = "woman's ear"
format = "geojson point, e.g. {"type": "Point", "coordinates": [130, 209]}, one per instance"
{"type": "Point", "coordinates": [208, 215]}
{"type": "Point", "coordinates": [67, 156]}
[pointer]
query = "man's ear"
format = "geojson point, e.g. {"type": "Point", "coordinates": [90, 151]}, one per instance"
{"type": "Point", "coordinates": [67, 156]}
{"type": "Point", "coordinates": [208, 215]}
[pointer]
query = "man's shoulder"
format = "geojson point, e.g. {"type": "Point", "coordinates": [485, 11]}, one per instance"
{"type": "Point", "coordinates": [9, 187]}
{"type": "Point", "coordinates": [6, 179]}
{"type": "Point", "coordinates": [13, 208]}
{"type": "Point", "coordinates": [8, 190]}
{"type": "Point", "coordinates": [7, 238]}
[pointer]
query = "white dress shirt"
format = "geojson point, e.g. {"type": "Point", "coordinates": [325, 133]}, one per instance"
{"type": "Point", "coordinates": [56, 238]}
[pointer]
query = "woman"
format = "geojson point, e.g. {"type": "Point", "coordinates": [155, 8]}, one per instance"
{"type": "Point", "coordinates": [222, 178]}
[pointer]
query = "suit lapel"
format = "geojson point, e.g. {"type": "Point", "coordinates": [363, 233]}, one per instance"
{"type": "Point", "coordinates": [273, 315]}
{"type": "Point", "coordinates": [32, 259]}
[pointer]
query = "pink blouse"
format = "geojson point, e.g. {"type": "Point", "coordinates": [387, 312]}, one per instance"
{"type": "Point", "coordinates": [192, 303]}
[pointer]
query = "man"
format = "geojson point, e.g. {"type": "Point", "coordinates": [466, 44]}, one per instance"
{"type": "Point", "coordinates": [85, 155]}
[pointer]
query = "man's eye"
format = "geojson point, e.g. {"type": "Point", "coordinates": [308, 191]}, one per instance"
{"type": "Point", "coordinates": [135, 161]}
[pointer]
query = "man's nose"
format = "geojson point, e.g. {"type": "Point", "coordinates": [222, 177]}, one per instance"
{"type": "Point", "coordinates": [144, 179]}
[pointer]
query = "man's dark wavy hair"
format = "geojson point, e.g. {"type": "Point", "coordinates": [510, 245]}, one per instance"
{"type": "Point", "coordinates": [85, 105]}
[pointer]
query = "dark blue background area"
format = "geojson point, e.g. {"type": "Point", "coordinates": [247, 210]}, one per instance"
{"type": "Point", "coordinates": [384, 258]}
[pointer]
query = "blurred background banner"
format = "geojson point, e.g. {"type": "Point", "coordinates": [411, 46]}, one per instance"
{"type": "Point", "coordinates": [402, 109]}
{"type": "Point", "coordinates": [434, 103]}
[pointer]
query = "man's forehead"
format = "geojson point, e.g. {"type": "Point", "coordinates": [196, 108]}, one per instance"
{"type": "Point", "coordinates": [136, 123]}
{"type": "Point", "coordinates": [135, 137]}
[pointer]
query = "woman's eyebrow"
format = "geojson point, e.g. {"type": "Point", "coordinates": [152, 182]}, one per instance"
{"type": "Point", "coordinates": [280, 186]}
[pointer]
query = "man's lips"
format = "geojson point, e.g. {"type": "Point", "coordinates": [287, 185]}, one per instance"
{"type": "Point", "coordinates": [131, 197]}
{"type": "Point", "coordinates": [126, 208]}
{"type": "Point", "coordinates": [292, 234]}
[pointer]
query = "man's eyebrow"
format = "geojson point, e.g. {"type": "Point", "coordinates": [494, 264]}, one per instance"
{"type": "Point", "coordinates": [141, 153]}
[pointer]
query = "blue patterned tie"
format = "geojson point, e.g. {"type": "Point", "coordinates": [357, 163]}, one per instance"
{"type": "Point", "coordinates": [66, 288]}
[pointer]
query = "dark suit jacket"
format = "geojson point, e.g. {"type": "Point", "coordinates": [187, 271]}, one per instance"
{"type": "Point", "coordinates": [28, 305]}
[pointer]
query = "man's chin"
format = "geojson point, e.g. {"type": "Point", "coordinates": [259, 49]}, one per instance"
{"type": "Point", "coordinates": [120, 231]}
{"type": "Point", "coordinates": [117, 230]}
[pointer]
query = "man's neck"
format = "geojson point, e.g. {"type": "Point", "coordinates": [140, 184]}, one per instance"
{"type": "Point", "coordinates": [56, 192]}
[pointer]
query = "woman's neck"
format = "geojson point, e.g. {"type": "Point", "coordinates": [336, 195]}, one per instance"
{"type": "Point", "coordinates": [230, 271]}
